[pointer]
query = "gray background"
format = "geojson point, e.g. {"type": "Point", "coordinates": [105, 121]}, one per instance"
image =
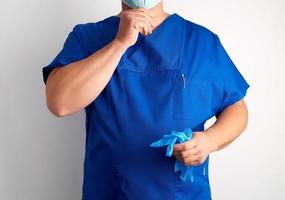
{"type": "Point", "coordinates": [41, 156]}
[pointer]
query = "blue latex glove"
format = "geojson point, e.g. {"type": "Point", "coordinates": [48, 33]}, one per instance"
{"type": "Point", "coordinates": [186, 172]}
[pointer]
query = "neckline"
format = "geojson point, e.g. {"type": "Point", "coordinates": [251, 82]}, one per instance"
{"type": "Point", "coordinates": [157, 28]}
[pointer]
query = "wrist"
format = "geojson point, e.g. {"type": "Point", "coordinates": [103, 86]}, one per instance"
{"type": "Point", "coordinates": [211, 136]}
{"type": "Point", "coordinates": [120, 45]}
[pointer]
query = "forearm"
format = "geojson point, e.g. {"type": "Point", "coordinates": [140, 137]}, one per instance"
{"type": "Point", "coordinates": [76, 85]}
{"type": "Point", "coordinates": [228, 126]}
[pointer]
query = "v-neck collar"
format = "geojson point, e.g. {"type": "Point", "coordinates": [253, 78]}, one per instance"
{"type": "Point", "coordinates": [158, 51]}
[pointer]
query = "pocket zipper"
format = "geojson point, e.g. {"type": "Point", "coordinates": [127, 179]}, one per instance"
{"type": "Point", "coordinates": [183, 79]}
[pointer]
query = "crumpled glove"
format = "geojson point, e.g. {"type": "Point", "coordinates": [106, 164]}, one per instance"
{"type": "Point", "coordinates": [186, 172]}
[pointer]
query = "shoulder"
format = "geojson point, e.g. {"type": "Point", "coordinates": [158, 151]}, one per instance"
{"type": "Point", "coordinates": [94, 35]}
{"type": "Point", "coordinates": [102, 25]}
{"type": "Point", "coordinates": [88, 27]}
{"type": "Point", "coordinates": [200, 32]}
{"type": "Point", "coordinates": [202, 39]}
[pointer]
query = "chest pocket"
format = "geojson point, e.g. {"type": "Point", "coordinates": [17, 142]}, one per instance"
{"type": "Point", "coordinates": [191, 97]}
{"type": "Point", "coordinates": [148, 93]}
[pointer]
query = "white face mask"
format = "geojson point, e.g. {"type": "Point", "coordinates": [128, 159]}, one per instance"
{"type": "Point", "coordinates": [141, 3]}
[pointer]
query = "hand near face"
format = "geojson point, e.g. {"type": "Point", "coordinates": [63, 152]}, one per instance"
{"type": "Point", "coordinates": [133, 21]}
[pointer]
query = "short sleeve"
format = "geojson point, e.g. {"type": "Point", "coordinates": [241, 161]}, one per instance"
{"type": "Point", "coordinates": [233, 84]}
{"type": "Point", "coordinates": [72, 51]}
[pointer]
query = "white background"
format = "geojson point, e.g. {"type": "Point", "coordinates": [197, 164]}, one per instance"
{"type": "Point", "coordinates": [41, 156]}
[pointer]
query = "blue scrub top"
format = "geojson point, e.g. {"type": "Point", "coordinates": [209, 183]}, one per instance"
{"type": "Point", "coordinates": [178, 77]}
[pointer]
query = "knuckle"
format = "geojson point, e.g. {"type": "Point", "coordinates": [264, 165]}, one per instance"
{"type": "Point", "coordinates": [199, 150]}
{"type": "Point", "coordinates": [147, 22]}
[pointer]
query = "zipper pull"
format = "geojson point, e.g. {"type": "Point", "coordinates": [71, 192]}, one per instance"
{"type": "Point", "coordinates": [183, 79]}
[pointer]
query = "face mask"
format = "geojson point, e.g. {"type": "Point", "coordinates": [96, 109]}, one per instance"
{"type": "Point", "coordinates": [141, 3]}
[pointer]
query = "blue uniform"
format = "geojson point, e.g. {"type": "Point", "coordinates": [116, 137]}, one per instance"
{"type": "Point", "coordinates": [178, 77]}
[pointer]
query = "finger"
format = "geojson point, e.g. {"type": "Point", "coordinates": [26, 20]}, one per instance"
{"type": "Point", "coordinates": [189, 153]}
{"type": "Point", "coordinates": [149, 18]}
{"type": "Point", "coordinates": [145, 22]}
{"type": "Point", "coordinates": [178, 157]}
{"type": "Point", "coordinates": [149, 21]}
{"type": "Point", "coordinates": [138, 22]}
{"type": "Point", "coordinates": [189, 160]}
{"type": "Point", "coordinates": [142, 27]}
{"type": "Point", "coordinates": [194, 163]}
{"type": "Point", "coordinates": [185, 145]}
{"type": "Point", "coordinates": [144, 13]}
{"type": "Point", "coordinates": [138, 25]}
{"type": "Point", "coordinates": [193, 157]}
{"type": "Point", "coordinates": [196, 159]}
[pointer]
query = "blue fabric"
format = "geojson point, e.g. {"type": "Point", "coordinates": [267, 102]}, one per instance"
{"type": "Point", "coordinates": [175, 78]}
{"type": "Point", "coordinates": [72, 51]}
{"type": "Point", "coordinates": [186, 172]}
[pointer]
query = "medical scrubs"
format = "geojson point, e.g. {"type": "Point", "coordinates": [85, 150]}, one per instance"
{"type": "Point", "coordinates": [178, 77]}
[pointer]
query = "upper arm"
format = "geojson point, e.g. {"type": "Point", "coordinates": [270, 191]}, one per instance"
{"type": "Point", "coordinates": [52, 72]}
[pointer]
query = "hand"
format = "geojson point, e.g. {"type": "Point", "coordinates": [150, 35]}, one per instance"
{"type": "Point", "coordinates": [194, 151]}
{"type": "Point", "coordinates": [133, 21]}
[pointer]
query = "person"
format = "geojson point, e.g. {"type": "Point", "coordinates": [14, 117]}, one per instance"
{"type": "Point", "coordinates": [139, 75]}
